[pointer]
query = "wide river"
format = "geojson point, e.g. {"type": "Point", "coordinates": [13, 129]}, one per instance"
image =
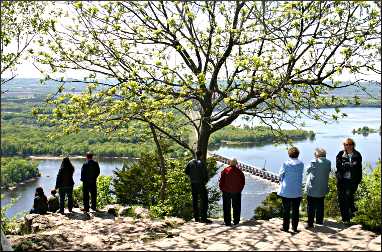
{"type": "Point", "coordinates": [328, 136]}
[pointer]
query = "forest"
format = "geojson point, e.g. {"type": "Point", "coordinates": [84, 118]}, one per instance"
{"type": "Point", "coordinates": [15, 170]}
{"type": "Point", "coordinates": [23, 135]}
{"type": "Point", "coordinates": [259, 135]}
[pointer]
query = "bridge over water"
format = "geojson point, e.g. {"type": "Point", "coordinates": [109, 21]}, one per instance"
{"type": "Point", "coordinates": [272, 177]}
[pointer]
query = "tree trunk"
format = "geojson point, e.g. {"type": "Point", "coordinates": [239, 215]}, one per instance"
{"type": "Point", "coordinates": [162, 164]}
{"type": "Point", "coordinates": [204, 136]}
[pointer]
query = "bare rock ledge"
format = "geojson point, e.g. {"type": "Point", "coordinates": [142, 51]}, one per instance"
{"type": "Point", "coordinates": [104, 231]}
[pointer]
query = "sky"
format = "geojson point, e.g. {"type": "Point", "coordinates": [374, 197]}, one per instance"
{"type": "Point", "coordinates": [26, 69]}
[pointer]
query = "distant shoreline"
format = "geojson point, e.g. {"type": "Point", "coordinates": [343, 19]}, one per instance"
{"type": "Point", "coordinates": [75, 157]}
{"type": "Point", "coordinates": [16, 185]}
{"type": "Point", "coordinates": [48, 157]}
{"type": "Point", "coordinates": [355, 106]}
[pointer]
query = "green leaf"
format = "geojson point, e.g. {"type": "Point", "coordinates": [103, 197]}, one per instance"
{"type": "Point", "coordinates": [78, 4]}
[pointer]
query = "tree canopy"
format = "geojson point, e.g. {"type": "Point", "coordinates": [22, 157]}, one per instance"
{"type": "Point", "coordinates": [20, 23]}
{"type": "Point", "coordinates": [208, 62]}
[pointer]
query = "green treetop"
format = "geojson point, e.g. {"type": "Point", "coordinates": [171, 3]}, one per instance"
{"type": "Point", "coordinates": [209, 62]}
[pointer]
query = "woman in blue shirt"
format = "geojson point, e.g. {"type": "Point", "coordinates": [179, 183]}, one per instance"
{"type": "Point", "coordinates": [291, 188]}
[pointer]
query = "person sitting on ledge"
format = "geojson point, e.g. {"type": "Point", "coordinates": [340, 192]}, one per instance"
{"type": "Point", "coordinates": [40, 203]}
{"type": "Point", "coordinates": [53, 203]}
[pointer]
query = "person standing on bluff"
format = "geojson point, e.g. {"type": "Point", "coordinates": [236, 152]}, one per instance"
{"type": "Point", "coordinates": [231, 183]}
{"type": "Point", "coordinates": [349, 175]}
{"type": "Point", "coordinates": [89, 174]}
{"type": "Point", "coordinates": [291, 189]}
{"type": "Point", "coordinates": [65, 183]}
{"type": "Point", "coordinates": [317, 186]}
{"type": "Point", "coordinates": [197, 172]}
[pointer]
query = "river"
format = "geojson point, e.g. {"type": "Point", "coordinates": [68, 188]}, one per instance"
{"type": "Point", "coordinates": [328, 136]}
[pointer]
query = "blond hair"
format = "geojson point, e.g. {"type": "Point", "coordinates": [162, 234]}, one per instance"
{"type": "Point", "coordinates": [347, 140]}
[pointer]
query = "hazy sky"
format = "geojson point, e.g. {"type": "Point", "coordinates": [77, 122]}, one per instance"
{"type": "Point", "coordinates": [26, 69]}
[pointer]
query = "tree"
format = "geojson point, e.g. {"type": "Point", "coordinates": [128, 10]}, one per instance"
{"type": "Point", "coordinates": [20, 23]}
{"type": "Point", "coordinates": [210, 62]}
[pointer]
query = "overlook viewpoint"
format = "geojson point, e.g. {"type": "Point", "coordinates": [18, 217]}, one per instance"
{"type": "Point", "coordinates": [105, 231]}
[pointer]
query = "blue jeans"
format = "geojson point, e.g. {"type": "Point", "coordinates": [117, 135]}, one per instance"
{"type": "Point", "coordinates": [68, 190]}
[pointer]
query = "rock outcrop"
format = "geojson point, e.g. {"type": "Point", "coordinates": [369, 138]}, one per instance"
{"type": "Point", "coordinates": [100, 230]}
{"type": "Point", "coordinates": [266, 235]}
{"type": "Point", "coordinates": [105, 231]}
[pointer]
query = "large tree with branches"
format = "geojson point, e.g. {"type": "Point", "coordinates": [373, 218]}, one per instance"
{"type": "Point", "coordinates": [208, 62]}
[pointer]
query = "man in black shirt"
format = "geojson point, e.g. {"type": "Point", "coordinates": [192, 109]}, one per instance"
{"type": "Point", "coordinates": [197, 172]}
{"type": "Point", "coordinates": [89, 174]}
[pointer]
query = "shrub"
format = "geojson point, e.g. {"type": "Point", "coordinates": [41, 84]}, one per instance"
{"type": "Point", "coordinates": [332, 209]}
{"type": "Point", "coordinates": [8, 225]}
{"type": "Point", "coordinates": [137, 182]}
{"type": "Point", "coordinates": [131, 212]}
{"type": "Point", "coordinates": [179, 198]}
{"type": "Point", "coordinates": [271, 207]}
{"type": "Point", "coordinates": [104, 197]}
{"type": "Point", "coordinates": [368, 201]}
{"type": "Point", "coordinates": [4, 219]}
{"type": "Point", "coordinates": [214, 195]}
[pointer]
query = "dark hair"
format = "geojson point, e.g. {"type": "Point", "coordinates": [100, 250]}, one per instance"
{"type": "Point", "coordinates": [53, 192]}
{"type": "Point", "coordinates": [293, 152]}
{"type": "Point", "coordinates": [39, 191]}
{"type": "Point", "coordinates": [89, 155]}
{"type": "Point", "coordinates": [198, 154]}
{"type": "Point", "coordinates": [67, 165]}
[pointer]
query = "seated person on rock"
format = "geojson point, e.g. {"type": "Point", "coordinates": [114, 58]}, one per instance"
{"type": "Point", "coordinates": [53, 203]}
{"type": "Point", "coordinates": [40, 203]}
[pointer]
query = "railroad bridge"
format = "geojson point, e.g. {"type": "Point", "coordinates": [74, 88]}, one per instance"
{"type": "Point", "coordinates": [272, 177]}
